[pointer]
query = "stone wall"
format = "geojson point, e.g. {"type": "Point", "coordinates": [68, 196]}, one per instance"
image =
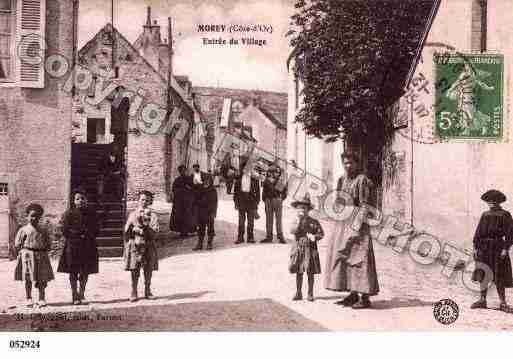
{"type": "Point", "coordinates": [35, 140]}
{"type": "Point", "coordinates": [152, 162]}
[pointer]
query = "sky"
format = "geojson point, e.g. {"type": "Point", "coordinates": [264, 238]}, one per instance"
{"type": "Point", "coordinates": [256, 68]}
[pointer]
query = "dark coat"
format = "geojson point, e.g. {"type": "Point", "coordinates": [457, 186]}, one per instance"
{"type": "Point", "coordinates": [182, 216]}
{"type": "Point", "coordinates": [494, 234]}
{"type": "Point", "coordinates": [304, 255]}
{"type": "Point", "coordinates": [247, 200]}
{"type": "Point", "coordinates": [207, 204]}
{"type": "Point", "coordinates": [198, 188]}
{"type": "Point", "coordinates": [107, 167]}
{"type": "Point", "coordinates": [80, 228]}
{"type": "Point", "coordinates": [270, 190]}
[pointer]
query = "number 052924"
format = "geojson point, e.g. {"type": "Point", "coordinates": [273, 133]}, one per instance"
{"type": "Point", "coordinates": [24, 344]}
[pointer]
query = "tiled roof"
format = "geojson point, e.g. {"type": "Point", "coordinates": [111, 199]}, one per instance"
{"type": "Point", "coordinates": [272, 104]}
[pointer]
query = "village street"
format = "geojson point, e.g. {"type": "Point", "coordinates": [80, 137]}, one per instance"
{"type": "Point", "coordinates": [245, 287]}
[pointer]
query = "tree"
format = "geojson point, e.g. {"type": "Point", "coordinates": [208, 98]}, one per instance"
{"type": "Point", "coordinates": [353, 58]}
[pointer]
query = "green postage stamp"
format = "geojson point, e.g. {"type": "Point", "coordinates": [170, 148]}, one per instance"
{"type": "Point", "coordinates": [469, 96]}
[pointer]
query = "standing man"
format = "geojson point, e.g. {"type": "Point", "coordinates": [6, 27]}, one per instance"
{"type": "Point", "coordinates": [273, 197]}
{"type": "Point", "coordinates": [197, 179]}
{"type": "Point", "coordinates": [207, 211]}
{"type": "Point", "coordinates": [350, 263]}
{"type": "Point", "coordinates": [246, 197]}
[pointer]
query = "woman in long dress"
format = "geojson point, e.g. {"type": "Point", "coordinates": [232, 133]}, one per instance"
{"type": "Point", "coordinates": [350, 262]}
{"type": "Point", "coordinates": [182, 216]}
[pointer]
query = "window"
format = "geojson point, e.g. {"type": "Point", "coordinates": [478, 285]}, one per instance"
{"type": "Point", "coordinates": [22, 44]}
{"type": "Point", "coordinates": [4, 189]}
{"type": "Point", "coordinates": [6, 39]}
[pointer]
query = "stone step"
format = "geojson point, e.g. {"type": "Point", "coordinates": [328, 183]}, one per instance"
{"type": "Point", "coordinates": [109, 241]}
{"type": "Point", "coordinates": [110, 251]}
{"type": "Point", "coordinates": [111, 232]}
{"type": "Point", "coordinates": [113, 223]}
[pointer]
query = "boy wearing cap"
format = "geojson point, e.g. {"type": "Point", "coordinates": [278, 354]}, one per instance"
{"type": "Point", "coordinates": [492, 241]}
{"type": "Point", "coordinates": [304, 256]}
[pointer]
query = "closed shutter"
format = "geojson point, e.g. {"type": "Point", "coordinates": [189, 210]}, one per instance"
{"type": "Point", "coordinates": [31, 47]}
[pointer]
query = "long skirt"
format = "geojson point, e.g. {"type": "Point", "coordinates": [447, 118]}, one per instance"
{"type": "Point", "coordinates": [79, 256]}
{"type": "Point", "coordinates": [34, 266]}
{"type": "Point", "coordinates": [136, 257]}
{"type": "Point", "coordinates": [304, 257]}
{"type": "Point", "coordinates": [183, 216]}
{"type": "Point", "coordinates": [350, 262]}
{"type": "Point", "coordinates": [500, 267]}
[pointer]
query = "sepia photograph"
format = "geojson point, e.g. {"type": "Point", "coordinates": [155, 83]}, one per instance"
{"type": "Point", "coordinates": [255, 166]}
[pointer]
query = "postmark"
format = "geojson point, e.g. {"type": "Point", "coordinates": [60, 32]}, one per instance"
{"type": "Point", "coordinates": [437, 107]}
{"type": "Point", "coordinates": [414, 112]}
{"type": "Point", "coordinates": [446, 311]}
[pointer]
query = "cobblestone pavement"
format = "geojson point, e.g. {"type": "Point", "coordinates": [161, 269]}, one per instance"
{"type": "Point", "coordinates": [259, 271]}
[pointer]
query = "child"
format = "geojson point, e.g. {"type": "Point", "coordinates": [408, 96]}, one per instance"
{"type": "Point", "coordinates": [142, 222]}
{"type": "Point", "coordinates": [32, 245]}
{"type": "Point", "coordinates": [140, 233]}
{"type": "Point", "coordinates": [492, 241]}
{"type": "Point", "coordinates": [80, 227]}
{"type": "Point", "coordinates": [207, 211]}
{"type": "Point", "coordinates": [304, 256]}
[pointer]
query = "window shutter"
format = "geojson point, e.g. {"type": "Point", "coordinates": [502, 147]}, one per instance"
{"type": "Point", "coordinates": [31, 19]}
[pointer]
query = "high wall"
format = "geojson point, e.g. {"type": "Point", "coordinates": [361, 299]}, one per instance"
{"type": "Point", "coordinates": [449, 177]}
{"type": "Point", "coordinates": [35, 136]}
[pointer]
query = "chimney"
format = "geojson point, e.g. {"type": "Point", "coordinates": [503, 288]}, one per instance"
{"type": "Point", "coordinates": [151, 41]}
{"type": "Point", "coordinates": [148, 16]}
{"type": "Point", "coordinates": [166, 53]}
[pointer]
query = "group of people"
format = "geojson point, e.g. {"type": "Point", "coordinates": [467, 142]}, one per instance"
{"type": "Point", "coordinates": [350, 263]}
{"type": "Point", "coordinates": [195, 203]}
{"type": "Point", "coordinates": [80, 227]}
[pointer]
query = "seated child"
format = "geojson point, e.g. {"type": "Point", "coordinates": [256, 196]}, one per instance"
{"type": "Point", "coordinates": [32, 245]}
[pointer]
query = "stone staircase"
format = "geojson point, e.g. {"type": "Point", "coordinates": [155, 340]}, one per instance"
{"type": "Point", "coordinates": [84, 172]}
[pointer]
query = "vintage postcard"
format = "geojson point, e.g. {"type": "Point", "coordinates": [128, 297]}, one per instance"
{"type": "Point", "coordinates": [255, 166]}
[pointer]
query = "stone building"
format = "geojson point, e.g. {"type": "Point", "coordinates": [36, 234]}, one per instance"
{"type": "Point", "coordinates": [431, 183]}
{"type": "Point", "coordinates": [35, 115]}
{"type": "Point", "coordinates": [437, 184]}
{"type": "Point", "coordinates": [152, 152]}
{"type": "Point", "coordinates": [59, 123]}
{"type": "Point", "coordinates": [258, 117]}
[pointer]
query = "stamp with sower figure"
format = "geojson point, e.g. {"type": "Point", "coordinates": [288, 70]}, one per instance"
{"type": "Point", "coordinates": [469, 100]}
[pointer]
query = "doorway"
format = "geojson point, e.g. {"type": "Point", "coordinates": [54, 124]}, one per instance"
{"type": "Point", "coordinates": [95, 130]}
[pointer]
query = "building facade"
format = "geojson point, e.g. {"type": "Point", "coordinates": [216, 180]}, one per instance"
{"type": "Point", "coordinates": [35, 115]}
{"type": "Point", "coordinates": [259, 118]}
{"type": "Point", "coordinates": [139, 74]}
{"type": "Point", "coordinates": [437, 184]}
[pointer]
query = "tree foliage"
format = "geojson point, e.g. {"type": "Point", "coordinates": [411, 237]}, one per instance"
{"type": "Point", "coordinates": [353, 58]}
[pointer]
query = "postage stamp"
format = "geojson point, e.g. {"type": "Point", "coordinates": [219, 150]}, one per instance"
{"type": "Point", "coordinates": [469, 100]}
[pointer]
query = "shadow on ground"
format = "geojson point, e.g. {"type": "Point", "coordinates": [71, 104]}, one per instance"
{"type": "Point", "coordinates": [226, 234]}
{"type": "Point", "coordinates": [401, 303]}
{"type": "Point", "coordinates": [246, 315]}
{"type": "Point", "coordinates": [177, 296]}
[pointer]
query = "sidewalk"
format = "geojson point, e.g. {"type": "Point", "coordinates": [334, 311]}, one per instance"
{"type": "Point", "coordinates": [247, 287]}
